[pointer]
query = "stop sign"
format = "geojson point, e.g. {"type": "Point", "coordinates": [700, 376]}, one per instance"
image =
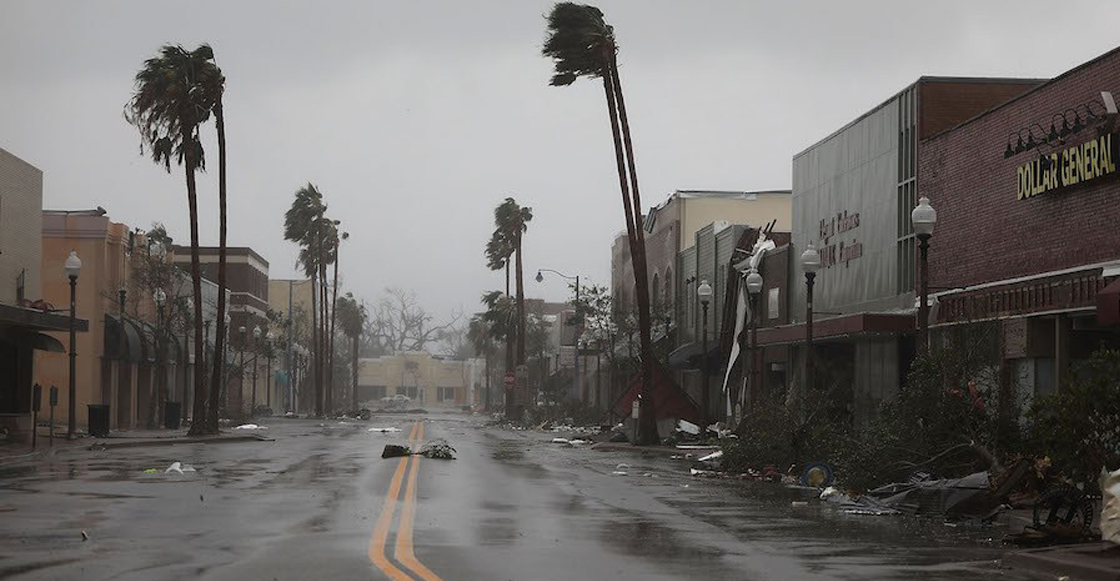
{"type": "Point", "coordinates": [510, 379]}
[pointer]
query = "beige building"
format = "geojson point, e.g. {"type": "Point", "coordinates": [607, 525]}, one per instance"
{"type": "Point", "coordinates": [428, 380]}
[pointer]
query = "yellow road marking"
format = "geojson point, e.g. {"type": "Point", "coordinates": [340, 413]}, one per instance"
{"type": "Point", "coordinates": [381, 530]}
{"type": "Point", "coordinates": [403, 552]}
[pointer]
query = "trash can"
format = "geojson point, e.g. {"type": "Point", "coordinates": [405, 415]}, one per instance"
{"type": "Point", "coordinates": [172, 411]}
{"type": "Point", "coordinates": [99, 420]}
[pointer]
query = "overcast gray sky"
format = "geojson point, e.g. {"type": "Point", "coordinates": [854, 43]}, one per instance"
{"type": "Point", "coordinates": [416, 118]}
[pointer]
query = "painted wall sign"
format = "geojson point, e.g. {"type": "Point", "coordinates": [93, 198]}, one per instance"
{"type": "Point", "coordinates": [1088, 161]}
{"type": "Point", "coordinates": [842, 252]}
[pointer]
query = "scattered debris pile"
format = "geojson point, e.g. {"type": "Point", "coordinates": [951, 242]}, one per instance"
{"type": "Point", "coordinates": [438, 448]}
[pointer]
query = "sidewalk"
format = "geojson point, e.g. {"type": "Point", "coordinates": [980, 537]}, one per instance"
{"type": "Point", "coordinates": [16, 451]}
{"type": "Point", "coordinates": [657, 449]}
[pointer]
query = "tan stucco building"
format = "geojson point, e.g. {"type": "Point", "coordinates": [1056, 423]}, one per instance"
{"type": "Point", "coordinates": [429, 380]}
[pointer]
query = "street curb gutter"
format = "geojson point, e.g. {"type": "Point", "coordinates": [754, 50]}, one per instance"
{"type": "Point", "coordinates": [105, 445]}
{"type": "Point", "coordinates": [659, 450]}
{"type": "Point", "coordinates": [1092, 562]}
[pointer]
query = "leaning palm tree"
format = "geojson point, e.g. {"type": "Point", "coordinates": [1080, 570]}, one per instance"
{"type": "Point", "coordinates": [336, 239]}
{"type": "Point", "coordinates": [499, 255]}
{"type": "Point", "coordinates": [500, 317]}
{"type": "Point", "coordinates": [216, 87]}
{"type": "Point", "coordinates": [478, 334]}
{"type": "Point", "coordinates": [304, 224]}
{"type": "Point", "coordinates": [352, 319]}
{"type": "Point", "coordinates": [581, 44]}
{"type": "Point", "coordinates": [511, 221]}
{"type": "Point", "coordinates": [170, 101]}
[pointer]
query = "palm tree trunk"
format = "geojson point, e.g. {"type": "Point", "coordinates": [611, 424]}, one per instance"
{"type": "Point", "coordinates": [522, 398]}
{"type": "Point", "coordinates": [507, 393]}
{"type": "Point", "coordinates": [196, 269]}
{"type": "Point", "coordinates": [210, 426]}
{"type": "Point", "coordinates": [648, 428]}
{"type": "Point", "coordinates": [314, 391]}
{"type": "Point", "coordinates": [324, 358]}
{"type": "Point", "coordinates": [487, 399]}
{"type": "Point", "coordinates": [330, 351]}
{"type": "Point", "coordinates": [354, 381]}
{"type": "Point", "coordinates": [632, 237]}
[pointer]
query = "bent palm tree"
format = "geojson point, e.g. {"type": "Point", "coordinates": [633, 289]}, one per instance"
{"type": "Point", "coordinates": [478, 334]}
{"type": "Point", "coordinates": [501, 320]}
{"type": "Point", "coordinates": [352, 319]}
{"type": "Point", "coordinates": [582, 44]}
{"type": "Point", "coordinates": [216, 86]}
{"type": "Point", "coordinates": [304, 224]}
{"type": "Point", "coordinates": [170, 101]}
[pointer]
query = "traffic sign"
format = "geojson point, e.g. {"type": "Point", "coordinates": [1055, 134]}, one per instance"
{"type": "Point", "coordinates": [510, 379]}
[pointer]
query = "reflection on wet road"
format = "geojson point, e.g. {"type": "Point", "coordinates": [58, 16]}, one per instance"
{"type": "Point", "coordinates": [320, 503]}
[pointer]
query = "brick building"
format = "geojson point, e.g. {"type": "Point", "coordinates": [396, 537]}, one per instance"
{"type": "Point", "coordinates": [1018, 243]}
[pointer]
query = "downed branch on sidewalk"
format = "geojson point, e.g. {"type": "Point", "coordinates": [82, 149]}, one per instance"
{"type": "Point", "coordinates": [395, 450]}
{"type": "Point", "coordinates": [438, 448]}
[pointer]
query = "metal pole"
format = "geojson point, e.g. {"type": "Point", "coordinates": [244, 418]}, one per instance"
{"type": "Point", "coordinates": [923, 308]}
{"type": "Point", "coordinates": [579, 384]}
{"type": "Point", "coordinates": [268, 382]}
{"type": "Point", "coordinates": [705, 402]}
{"type": "Point", "coordinates": [809, 276]}
{"type": "Point", "coordinates": [241, 371]}
{"type": "Point", "coordinates": [72, 421]}
{"type": "Point", "coordinates": [291, 382]}
{"type": "Point", "coordinates": [187, 362]}
{"type": "Point", "coordinates": [755, 363]}
{"type": "Point", "coordinates": [161, 370]}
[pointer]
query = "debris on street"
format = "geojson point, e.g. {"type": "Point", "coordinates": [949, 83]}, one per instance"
{"type": "Point", "coordinates": [688, 427]}
{"type": "Point", "coordinates": [564, 441]}
{"type": "Point", "coordinates": [1110, 506]}
{"type": "Point", "coordinates": [395, 450]}
{"type": "Point", "coordinates": [251, 427]}
{"type": "Point", "coordinates": [438, 448]}
{"type": "Point", "coordinates": [384, 429]}
{"type": "Point", "coordinates": [179, 467]}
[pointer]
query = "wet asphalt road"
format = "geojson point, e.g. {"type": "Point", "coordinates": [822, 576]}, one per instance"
{"type": "Point", "coordinates": [320, 503]}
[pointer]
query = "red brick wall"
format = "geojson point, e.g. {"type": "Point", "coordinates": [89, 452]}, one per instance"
{"type": "Point", "coordinates": [944, 104]}
{"type": "Point", "coordinates": [984, 233]}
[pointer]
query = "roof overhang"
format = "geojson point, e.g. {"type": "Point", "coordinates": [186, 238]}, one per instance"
{"type": "Point", "coordinates": [842, 327]}
{"type": "Point", "coordinates": [39, 320]}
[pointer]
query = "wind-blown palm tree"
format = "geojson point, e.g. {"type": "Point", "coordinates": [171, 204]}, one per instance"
{"type": "Point", "coordinates": [306, 224]}
{"type": "Point", "coordinates": [335, 240]}
{"type": "Point", "coordinates": [511, 221]}
{"type": "Point", "coordinates": [216, 87]}
{"type": "Point", "coordinates": [581, 44]}
{"type": "Point", "coordinates": [478, 334]}
{"type": "Point", "coordinates": [352, 319]}
{"type": "Point", "coordinates": [499, 254]}
{"type": "Point", "coordinates": [500, 318]}
{"type": "Point", "coordinates": [170, 101]}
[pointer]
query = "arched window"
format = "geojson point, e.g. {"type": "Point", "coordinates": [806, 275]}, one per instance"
{"type": "Point", "coordinates": [656, 298]}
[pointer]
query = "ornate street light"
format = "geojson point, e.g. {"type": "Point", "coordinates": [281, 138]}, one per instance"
{"type": "Point", "coordinates": [810, 263]}
{"type": "Point", "coordinates": [73, 269]}
{"type": "Point", "coordinates": [704, 293]}
{"type": "Point", "coordinates": [924, 218]}
{"type": "Point", "coordinates": [754, 287]}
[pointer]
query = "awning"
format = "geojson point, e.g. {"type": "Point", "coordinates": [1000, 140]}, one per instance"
{"type": "Point", "coordinates": [842, 327]}
{"type": "Point", "coordinates": [1108, 303]}
{"type": "Point", "coordinates": [669, 400]}
{"type": "Point", "coordinates": [113, 341]}
{"type": "Point", "coordinates": [691, 356]}
{"type": "Point", "coordinates": [39, 320]}
{"type": "Point", "coordinates": [37, 340]}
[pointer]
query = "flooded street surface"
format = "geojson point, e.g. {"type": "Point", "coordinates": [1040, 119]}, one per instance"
{"type": "Point", "coordinates": [320, 503]}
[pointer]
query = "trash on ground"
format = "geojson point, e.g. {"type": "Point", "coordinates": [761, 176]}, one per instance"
{"type": "Point", "coordinates": [833, 494]}
{"type": "Point", "coordinates": [395, 450]}
{"type": "Point", "coordinates": [619, 473]}
{"type": "Point", "coordinates": [622, 466]}
{"type": "Point", "coordinates": [1110, 506]}
{"type": "Point", "coordinates": [695, 447]}
{"type": "Point", "coordinates": [714, 460]}
{"type": "Point", "coordinates": [438, 448]}
{"type": "Point", "coordinates": [799, 503]}
{"type": "Point", "coordinates": [618, 436]}
{"type": "Point", "coordinates": [561, 441]}
{"type": "Point", "coordinates": [251, 427]}
{"type": "Point", "coordinates": [179, 467]}
{"type": "Point", "coordinates": [688, 427]}
{"type": "Point", "coordinates": [151, 471]}
{"type": "Point", "coordinates": [817, 475]}
{"type": "Point", "coordinates": [85, 536]}
{"type": "Point", "coordinates": [579, 442]}
{"type": "Point", "coordinates": [384, 429]}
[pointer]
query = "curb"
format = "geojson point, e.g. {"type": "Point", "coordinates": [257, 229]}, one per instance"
{"type": "Point", "coordinates": [624, 447]}
{"type": "Point", "coordinates": [1089, 561]}
{"type": "Point", "coordinates": [107, 445]}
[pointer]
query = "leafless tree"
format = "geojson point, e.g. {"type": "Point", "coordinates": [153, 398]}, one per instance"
{"type": "Point", "coordinates": [398, 322]}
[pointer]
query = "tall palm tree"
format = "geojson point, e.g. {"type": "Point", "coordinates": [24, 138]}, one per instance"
{"type": "Point", "coordinates": [581, 44]}
{"type": "Point", "coordinates": [352, 319]}
{"type": "Point", "coordinates": [217, 88]}
{"type": "Point", "coordinates": [500, 317]}
{"type": "Point", "coordinates": [478, 334]}
{"type": "Point", "coordinates": [170, 101]}
{"type": "Point", "coordinates": [499, 254]}
{"type": "Point", "coordinates": [511, 221]}
{"type": "Point", "coordinates": [336, 239]}
{"type": "Point", "coordinates": [306, 224]}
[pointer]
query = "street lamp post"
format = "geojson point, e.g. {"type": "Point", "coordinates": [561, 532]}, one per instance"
{"type": "Point", "coordinates": [73, 269]}
{"type": "Point", "coordinates": [268, 339]}
{"type": "Point", "coordinates": [241, 367]}
{"type": "Point", "coordinates": [810, 263]}
{"type": "Point", "coordinates": [188, 310]}
{"type": "Point", "coordinates": [540, 278]}
{"type": "Point", "coordinates": [256, 349]}
{"type": "Point", "coordinates": [754, 287]}
{"type": "Point", "coordinates": [924, 217]}
{"type": "Point", "coordinates": [704, 293]}
{"type": "Point", "coordinates": [159, 297]}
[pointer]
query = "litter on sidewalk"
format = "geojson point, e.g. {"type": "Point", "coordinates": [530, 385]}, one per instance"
{"type": "Point", "coordinates": [384, 430]}
{"type": "Point", "coordinates": [250, 427]}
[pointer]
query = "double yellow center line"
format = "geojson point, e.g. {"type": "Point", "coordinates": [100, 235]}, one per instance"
{"type": "Point", "coordinates": [403, 550]}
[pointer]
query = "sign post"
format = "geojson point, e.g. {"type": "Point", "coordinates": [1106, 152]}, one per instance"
{"type": "Point", "coordinates": [36, 403]}
{"type": "Point", "coordinates": [54, 403]}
